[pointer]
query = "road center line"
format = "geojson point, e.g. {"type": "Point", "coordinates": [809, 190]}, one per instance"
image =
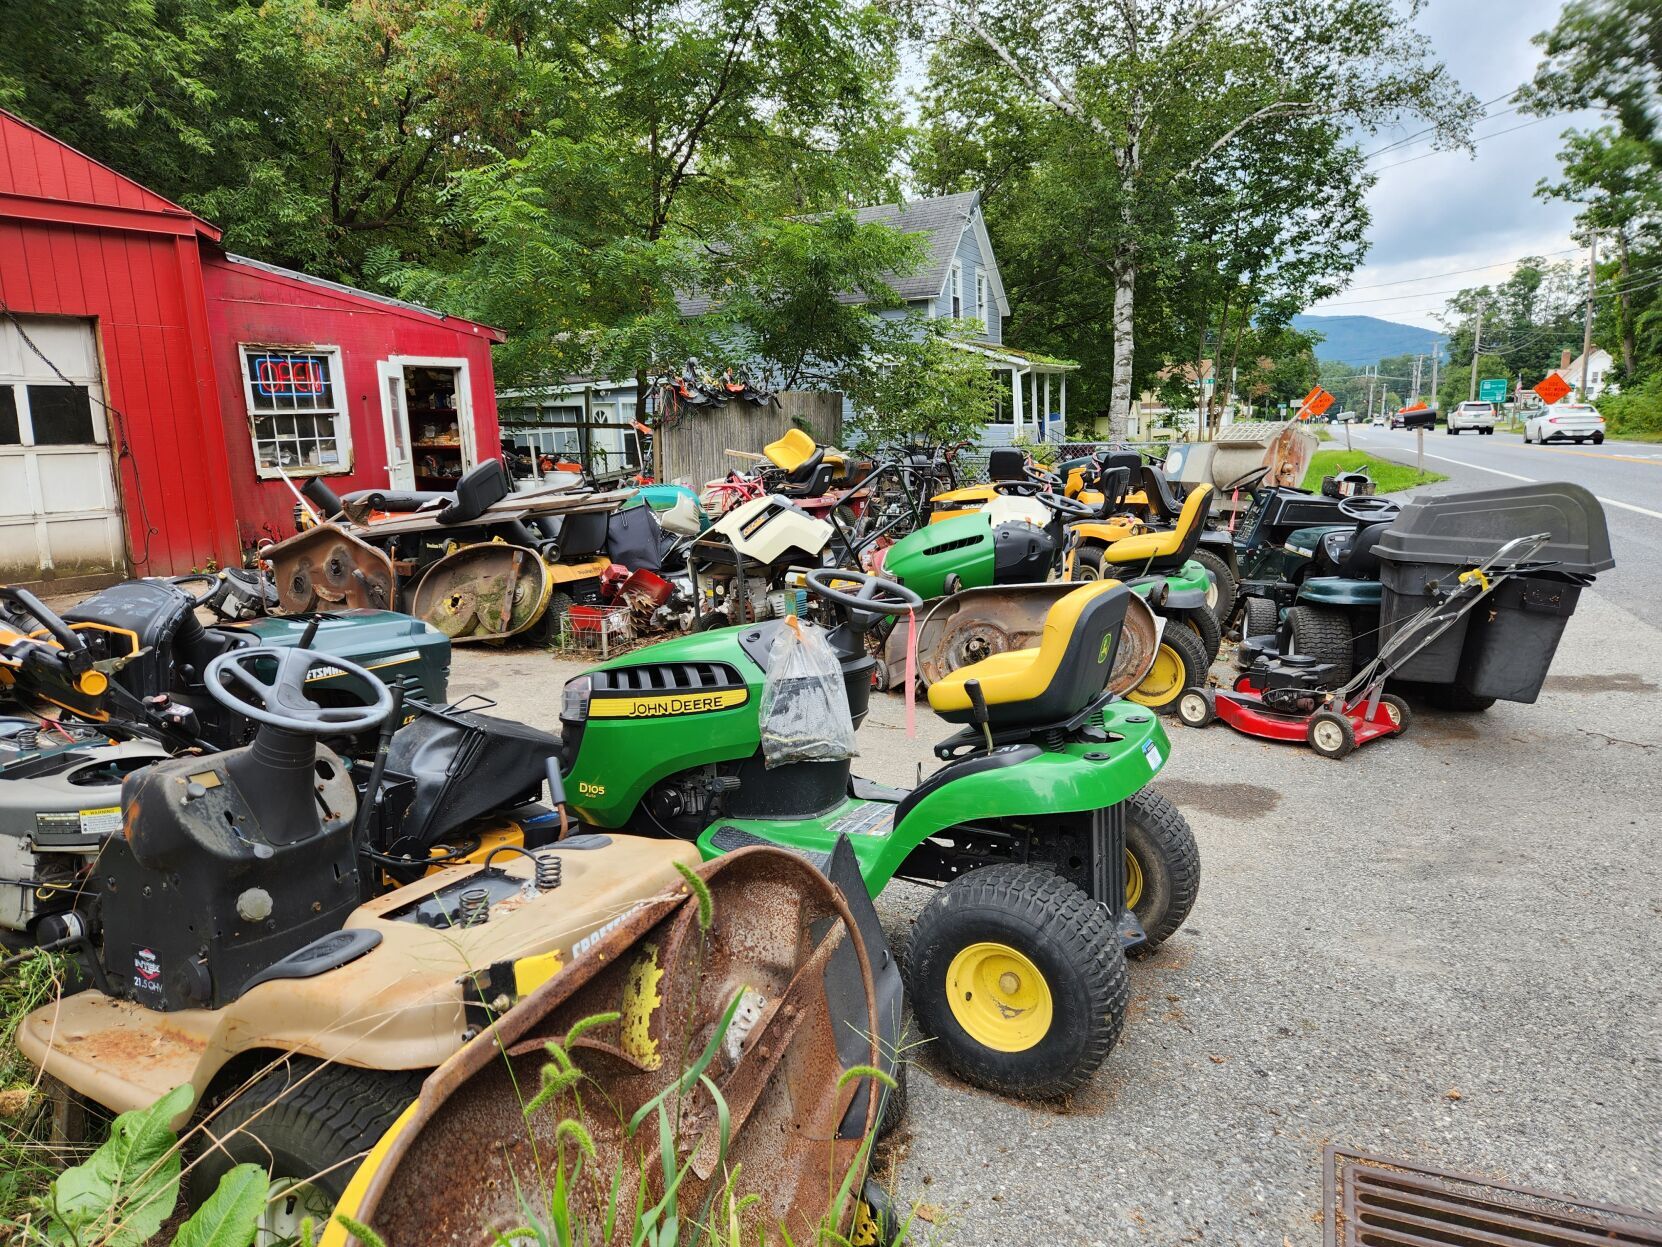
{"type": "Point", "coordinates": [1461, 463]}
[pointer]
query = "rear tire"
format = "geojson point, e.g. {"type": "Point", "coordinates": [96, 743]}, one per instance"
{"type": "Point", "coordinates": [1261, 618]}
{"type": "Point", "coordinates": [1087, 563]}
{"type": "Point", "coordinates": [1598, 439]}
{"type": "Point", "coordinates": [1223, 581]}
{"type": "Point", "coordinates": [1324, 635]}
{"type": "Point", "coordinates": [1197, 707]}
{"type": "Point", "coordinates": [1398, 709]}
{"type": "Point", "coordinates": [1330, 734]}
{"type": "Point", "coordinates": [1033, 965]}
{"type": "Point", "coordinates": [1179, 663]}
{"type": "Point", "coordinates": [1204, 624]}
{"type": "Point", "coordinates": [1161, 846]}
{"type": "Point", "coordinates": [305, 1122]}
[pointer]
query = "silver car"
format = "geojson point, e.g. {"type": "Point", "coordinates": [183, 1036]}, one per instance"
{"type": "Point", "coordinates": [1575, 422]}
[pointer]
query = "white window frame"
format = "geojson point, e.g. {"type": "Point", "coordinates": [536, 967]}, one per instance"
{"type": "Point", "coordinates": [342, 417]}
{"type": "Point", "coordinates": [955, 291]}
{"type": "Point", "coordinates": [981, 286]}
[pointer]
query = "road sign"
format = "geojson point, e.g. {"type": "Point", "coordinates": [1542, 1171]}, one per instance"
{"type": "Point", "coordinates": [1492, 389]}
{"type": "Point", "coordinates": [1553, 388]}
{"type": "Point", "coordinates": [1314, 403]}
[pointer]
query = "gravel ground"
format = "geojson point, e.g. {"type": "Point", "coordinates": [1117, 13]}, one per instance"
{"type": "Point", "coordinates": [1446, 948]}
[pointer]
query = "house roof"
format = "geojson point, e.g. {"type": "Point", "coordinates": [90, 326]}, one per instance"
{"type": "Point", "coordinates": [942, 221]}
{"type": "Point", "coordinates": [44, 178]}
{"type": "Point", "coordinates": [353, 294]}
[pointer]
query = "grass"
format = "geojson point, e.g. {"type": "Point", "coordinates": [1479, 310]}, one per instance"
{"type": "Point", "coordinates": [1388, 477]}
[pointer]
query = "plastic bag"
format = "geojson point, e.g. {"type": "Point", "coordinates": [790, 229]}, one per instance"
{"type": "Point", "coordinates": [805, 714]}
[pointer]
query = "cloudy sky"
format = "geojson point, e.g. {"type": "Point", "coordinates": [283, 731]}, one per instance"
{"type": "Point", "coordinates": [1438, 214]}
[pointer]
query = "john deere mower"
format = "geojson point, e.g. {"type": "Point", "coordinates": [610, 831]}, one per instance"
{"type": "Point", "coordinates": [235, 956]}
{"type": "Point", "coordinates": [1050, 853]}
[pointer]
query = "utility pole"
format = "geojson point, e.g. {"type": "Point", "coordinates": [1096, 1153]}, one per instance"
{"type": "Point", "coordinates": [1477, 343]}
{"type": "Point", "coordinates": [1587, 328]}
{"type": "Point", "coordinates": [1436, 358]}
{"type": "Point", "coordinates": [1371, 373]}
{"type": "Point", "coordinates": [1419, 363]}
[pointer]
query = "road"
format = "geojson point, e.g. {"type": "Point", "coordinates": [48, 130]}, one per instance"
{"type": "Point", "coordinates": [1625, 476]}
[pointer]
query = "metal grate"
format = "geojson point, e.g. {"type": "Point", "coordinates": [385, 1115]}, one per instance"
{"type": "Point", "coordinates": [1374, 1202]}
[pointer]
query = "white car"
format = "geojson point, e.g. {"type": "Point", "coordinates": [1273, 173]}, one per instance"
{"type": "Point", "coordinates": [1378, 422]}
{"type": "Point", "coordinates": [1576, 422]}
{"type": "Point", "coordinates": [1472, 414]}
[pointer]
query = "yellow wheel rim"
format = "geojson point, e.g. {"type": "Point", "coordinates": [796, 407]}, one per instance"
{"type": "Point", "coordinates": [999, 997]}
{"type": "Point", "coordinates": [1133, 880]}
{"type": "Point", "coordinates": [1164, 680]}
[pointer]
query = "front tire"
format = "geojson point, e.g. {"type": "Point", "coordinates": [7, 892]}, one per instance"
{"type": "Point", "coordinates": [1163, 862]}
{"type": "Point", "coordinates": [306, 1124]}
{"type": "Point", "coordinates": [1197, 707]}
{"type": "Point", "coordinates": [1324, 635]}
{"type": "Point", "coordinates": [1020, 978]}
{"type": "Point", "coordinates": [1204, 624]}
{"type": "Point", "coordinates": [1087, 563]}
{"type": "Point", "coordinates": [1179, 663]}
{"type": "Point", "coordinates": [1261, 618]}
{"type": "Point", "coordinates": [1330, 734]}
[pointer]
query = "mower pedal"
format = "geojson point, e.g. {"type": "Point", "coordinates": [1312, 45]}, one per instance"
{"type": "Point", "coordinates": [727, 838]}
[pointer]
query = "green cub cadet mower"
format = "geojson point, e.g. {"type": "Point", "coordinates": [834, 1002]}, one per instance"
{"type": "Point", "coordinates": [1050, 853]}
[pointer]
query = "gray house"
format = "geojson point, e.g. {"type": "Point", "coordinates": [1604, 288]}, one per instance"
{"type": "Point", "coordinates": [958, 279]}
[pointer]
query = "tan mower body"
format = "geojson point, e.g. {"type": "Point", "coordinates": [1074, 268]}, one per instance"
{"type": "Point", "coordinates": [408, 1003]}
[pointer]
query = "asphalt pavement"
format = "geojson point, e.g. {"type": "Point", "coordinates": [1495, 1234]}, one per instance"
{"type": "Point", "coordinates": [1625, 476]}
{"type": "Point", "coordinates": [1446, 948]}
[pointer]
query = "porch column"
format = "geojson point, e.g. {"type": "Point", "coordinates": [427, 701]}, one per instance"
{"type": "Point", "coordinates": [1033, 393]}
{"type": "Point", "coordinates": [1015, 399]}
{"type": "Point", "coordinates": [1047, 400]}
{"type": "Point", "coordinates": [1064, 404]}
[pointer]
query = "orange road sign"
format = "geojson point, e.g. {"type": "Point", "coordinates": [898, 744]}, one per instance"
{"type": "Point", "coordinates": [1552, 389]}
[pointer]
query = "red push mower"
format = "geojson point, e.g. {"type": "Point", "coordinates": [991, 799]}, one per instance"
{"type": "Point", "coordinates": [1282, 696]}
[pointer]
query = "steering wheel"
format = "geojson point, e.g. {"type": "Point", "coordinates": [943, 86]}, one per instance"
{"type": "Point", "coordinates": [877, 597]}
{"type": "Point", "coordinates": [281, 701]}
{"type": "Point", "coordinates": [1069, 508]}
{"type": "Point", "coordinates": [197, 599]}
{"type": "Point", "coordinates": [1248, 480]}
{"type": "Point", "coordinates": [1369, 508]}
{"type": "Point", "coordinates": [1044, 476]}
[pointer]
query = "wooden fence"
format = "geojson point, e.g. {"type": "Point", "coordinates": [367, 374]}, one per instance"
{"type": "Point", "coordinates": [694, 450]}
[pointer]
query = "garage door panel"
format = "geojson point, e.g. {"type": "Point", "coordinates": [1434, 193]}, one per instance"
{"type": "Point", "coordinates": [14, 488]}
{"type": "Point", "coordinates": [80, 547]}
{"type": "Point", "coordinates": [75, 480]}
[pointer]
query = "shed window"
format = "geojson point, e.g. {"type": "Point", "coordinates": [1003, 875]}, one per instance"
{"type": "Point", "coordinates": [61, 415]}
{"type": "Point", "coordinates": [296, 412]}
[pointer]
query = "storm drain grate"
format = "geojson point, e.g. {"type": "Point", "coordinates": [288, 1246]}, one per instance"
{"type": "Point", "coordinates": [1373, 1202]}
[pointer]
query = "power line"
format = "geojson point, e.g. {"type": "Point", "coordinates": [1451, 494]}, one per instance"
{"type": "Point", "coordinates": [1397, 144]}
{"type": "Point", "coordinates": [1478, 139]}
{"type": "Point", "coordinates": [1540, 255]}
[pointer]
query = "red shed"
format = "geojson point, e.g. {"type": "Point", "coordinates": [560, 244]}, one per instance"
{"type": "Point", "coordinates": [155, 390]}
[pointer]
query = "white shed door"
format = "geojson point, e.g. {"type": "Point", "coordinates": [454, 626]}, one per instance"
{"type": "Point", "coordinates": [60, 515]}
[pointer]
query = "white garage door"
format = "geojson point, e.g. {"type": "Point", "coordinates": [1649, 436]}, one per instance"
{"type": "Point", "coordinates": [60, 516]}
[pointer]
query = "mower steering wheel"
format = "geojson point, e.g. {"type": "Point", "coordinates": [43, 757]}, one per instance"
{"type": "Point", "coordinates": [1044, 477]}
{"type": "Point", "coordinates": [1068, 508]}
{"type": "Point", "coordinates": [1248, 480]}
{"type": "Point", "coordinates": [1369, 509]}
{"type": "Point", "coordinates": [282, 701]}
{"type": "Point", "coordinates": [877, 597]}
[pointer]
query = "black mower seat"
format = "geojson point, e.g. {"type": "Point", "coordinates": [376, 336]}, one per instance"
{"type": "Point", "coordinates": [1162, 502]}
{"type": "Point", "coordinates": [1360, 562]}
{"type": "Point", "coordinates": [1007, 463]}
{"type": "Point", "coordinates": [1167, 549]}
{"type": "Point", "coordinates": [1052, 682]}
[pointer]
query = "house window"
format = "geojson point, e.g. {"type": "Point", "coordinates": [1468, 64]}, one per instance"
{"type": "Point", "coordinates": [957, 290]}
{"type": "Point", "coordinates": [296, 411]}
{"type": "Point", "coordinates": [981, 299]}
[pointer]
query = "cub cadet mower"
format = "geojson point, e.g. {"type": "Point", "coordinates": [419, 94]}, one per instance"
{"type": "Point", "coordinates": [1052, 851]}
{"type": "Point", "coordinates": [236, 957]}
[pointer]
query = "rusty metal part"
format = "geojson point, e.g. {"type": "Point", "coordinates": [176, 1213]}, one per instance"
{"type": "Point", "coordinates": [327, 568]}
{"type": "Point", "coordinates": [486, 592]}
{"type": "Point", "coordinates": [978, 623]}
{"type": "Point", "coordinates": [1390, 1203]}
{"type": "Point", "coordinates": [467, 1163]}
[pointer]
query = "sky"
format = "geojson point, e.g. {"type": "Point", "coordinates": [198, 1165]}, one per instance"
{"type": "Point", "coordinates": [1436, 214]}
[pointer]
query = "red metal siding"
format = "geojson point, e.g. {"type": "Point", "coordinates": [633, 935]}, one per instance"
{"type": "Point", "coordinates": [171, 468]}
{"type": "Point", "coordinates": [250, 305]}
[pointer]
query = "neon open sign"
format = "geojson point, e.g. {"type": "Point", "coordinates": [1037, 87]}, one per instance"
{"type": "Point", "coordinates": [289, 376]}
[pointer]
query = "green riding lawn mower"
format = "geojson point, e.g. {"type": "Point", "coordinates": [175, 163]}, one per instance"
{"type": "Point", "coordinates": [1050, 854]}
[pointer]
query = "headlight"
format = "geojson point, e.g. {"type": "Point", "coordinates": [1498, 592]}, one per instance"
{"type": "Point", "coordinates": [574, 701]}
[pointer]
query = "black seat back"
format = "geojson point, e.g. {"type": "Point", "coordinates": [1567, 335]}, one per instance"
{"type": "Point", "coordinates": [1361, 562]}
{"type": "Point", "coordinates": [1113, 483]}
{"type": "Point", "coordinates": [482, 487]}
{"type": "Point", "coordinates": [1162, 501]}
{"type": "Point", "coordinates": [1006, 464]}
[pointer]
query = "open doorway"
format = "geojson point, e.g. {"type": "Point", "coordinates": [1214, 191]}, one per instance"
{"type": "Point", "coordinates": [428, 414]}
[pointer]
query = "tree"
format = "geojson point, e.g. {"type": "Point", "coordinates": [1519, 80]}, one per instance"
{"type": "Point", "coordinates": [1604, 54]}
{"type": "Point", "coordinates": [922, 386]}
{"type": "Point", "coordinates": [1152, 94]}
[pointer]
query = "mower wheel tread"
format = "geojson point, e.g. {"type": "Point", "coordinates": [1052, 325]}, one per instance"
{"type": "Point", "coordinates": [1171, 880]}
{"type": "Point", "coordinates": [1324, 635]}
{"type": "Point", "coordinates": [1261, 617]}
{"type": "Point", "coordinates": [1054, 920]}
{"type": "Point", "coordinates": [1203, 622]}
{"type": "Point", "coordinates": [1224, 579]}
{"type": "Point", "coordinates": [325, 1113]}
{"type": "Point", "coordinates": [1087, 563]}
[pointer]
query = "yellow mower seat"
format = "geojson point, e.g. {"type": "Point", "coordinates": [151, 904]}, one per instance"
{"type": "Point", "coordinates": [1052, 682]}
{"type": "Point", "coordinates": [1172, 545]}
{"type": "Point", "coordinates": [791, 451]}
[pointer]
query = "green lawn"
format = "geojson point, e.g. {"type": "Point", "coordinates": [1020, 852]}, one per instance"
{"type": "Point", "coordinates": [1388, 477]}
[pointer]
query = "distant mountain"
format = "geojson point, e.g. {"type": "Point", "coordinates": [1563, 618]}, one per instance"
{"type": "Point", "coordinates": [1363, 340]}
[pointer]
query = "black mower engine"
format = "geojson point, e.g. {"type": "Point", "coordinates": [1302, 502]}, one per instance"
{"type": "Point", "coordinates": [1292, 683]}
{"type": "Point", "coordinates": [235, 861]}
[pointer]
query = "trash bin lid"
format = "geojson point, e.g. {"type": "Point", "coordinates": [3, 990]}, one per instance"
{"type": "Point", "coordinates": [1467, 528]}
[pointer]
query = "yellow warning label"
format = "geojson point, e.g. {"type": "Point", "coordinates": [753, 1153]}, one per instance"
{"type": "Point", "coordinates": [655, 705]}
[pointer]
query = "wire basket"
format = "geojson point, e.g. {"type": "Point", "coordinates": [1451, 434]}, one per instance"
{"type": "Point", "coordinates": [596, 629]}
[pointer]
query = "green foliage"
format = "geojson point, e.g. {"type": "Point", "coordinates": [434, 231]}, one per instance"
{"type": "Point", "coordinates": [1387, 477]}
{"type": "Point", "coordinates": [124, 1193]}
{"type": "Point", "coordinates": [922, 384]}
{"type": "Point", "coordinates": [1636, 411]}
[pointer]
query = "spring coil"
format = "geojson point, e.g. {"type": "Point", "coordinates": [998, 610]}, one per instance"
{"type": "Point", "coordinates": [476, 907]}
{"type": "Point", "coordinates": [27, 739]}
{"type": "Point", "coordinates": [548, 871]}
